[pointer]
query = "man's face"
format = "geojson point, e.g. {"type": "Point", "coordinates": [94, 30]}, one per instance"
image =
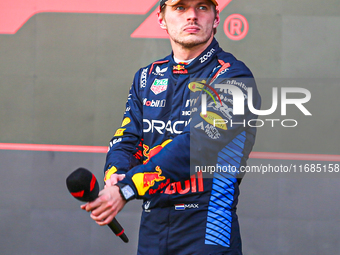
{"type": "Point", "coordinates": [190, 22]}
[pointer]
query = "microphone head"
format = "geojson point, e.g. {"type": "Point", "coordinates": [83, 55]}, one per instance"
{"type": "Point", "coordinates": [83, 185]}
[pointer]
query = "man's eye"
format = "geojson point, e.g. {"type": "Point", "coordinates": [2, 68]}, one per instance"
{"type": "Point", "coordinates": [180, 8]}
{"type": "Point", "coordinates": [203, 8]}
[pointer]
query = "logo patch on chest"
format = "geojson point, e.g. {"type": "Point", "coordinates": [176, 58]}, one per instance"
{"type": "Point", "coordinates": [158, 86]}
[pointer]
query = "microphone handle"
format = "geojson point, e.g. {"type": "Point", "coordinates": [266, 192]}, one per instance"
{"type": "Point", "coordinates": [118, 230]}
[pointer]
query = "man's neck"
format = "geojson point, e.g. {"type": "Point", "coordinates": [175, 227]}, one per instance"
{"type": "Point", "coordinates": [184, 53]}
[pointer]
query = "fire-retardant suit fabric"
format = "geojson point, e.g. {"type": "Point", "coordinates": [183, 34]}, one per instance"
{"type": "Point", "coordinates": [185, 163]}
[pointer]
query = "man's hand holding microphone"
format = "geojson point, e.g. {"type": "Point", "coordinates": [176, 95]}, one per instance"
{"type": "Point", "coordinates": [103, 205]}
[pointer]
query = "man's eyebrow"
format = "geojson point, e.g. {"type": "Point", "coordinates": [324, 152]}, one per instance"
{"type": "Point", "coordinates": [199, 3]}
{"type": "Point", "coordinates": [204, 2]}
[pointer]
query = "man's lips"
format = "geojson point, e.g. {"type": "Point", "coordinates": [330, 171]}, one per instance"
{"type": "Point", "coordinates": [192, 29]}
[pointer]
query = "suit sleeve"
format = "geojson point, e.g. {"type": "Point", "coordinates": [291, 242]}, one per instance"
{"type": "Point", "coordinates": [202, 140]}
{"type": "Point", "coordinates": [125, 150]}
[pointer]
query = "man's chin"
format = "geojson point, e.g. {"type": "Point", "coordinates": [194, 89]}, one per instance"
{"type": "Point", "coordinates": [193, 41]}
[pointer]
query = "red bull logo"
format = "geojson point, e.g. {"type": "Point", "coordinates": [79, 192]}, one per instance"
{"type": "Point", "coordinates": [178, 68]}
{"type": "Point", "coordinates": [149, 153]}
{"type": "Point", "coordinates": [194, 184]}
{"type": "Point", "coordinates": [149, 179]}
{"type": "Point", "coordinates": [144, 181]}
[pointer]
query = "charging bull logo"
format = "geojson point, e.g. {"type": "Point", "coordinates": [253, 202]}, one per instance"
{"type": "Point", "coordinates": [144, 181]}
{"type": "Point", "coordinates": [149, 153]}
{"type": "Point", "coordinates": [178, 67]}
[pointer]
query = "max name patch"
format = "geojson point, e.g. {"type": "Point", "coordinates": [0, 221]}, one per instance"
{"type": "Point", "coordinates": [158, 86]}
{"type": "Point", "coordinates": [180, 207]}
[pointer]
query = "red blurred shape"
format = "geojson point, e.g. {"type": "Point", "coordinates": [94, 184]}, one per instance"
{"type": "Point", "coordinates": [78, 194]}
{"type": "Point", "coordinates": [93, 182]}
{"type": "Point", "coordinates": [15, 13]}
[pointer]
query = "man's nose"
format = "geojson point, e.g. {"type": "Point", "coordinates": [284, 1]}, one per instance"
{"type": "Point", "coordinates": [191, 14]}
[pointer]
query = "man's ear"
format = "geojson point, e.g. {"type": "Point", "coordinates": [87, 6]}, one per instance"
{"type": "Point", "coordinates": [161, 21]}
{"type": "Point", "coordinates": [217, 19]}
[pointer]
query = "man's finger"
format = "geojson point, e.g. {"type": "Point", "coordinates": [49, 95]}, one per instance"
{"type": "Point", "coordinates": [93, 205]}
{"type": "Point", "coordinates": [104, 218]}
{"type": "Point", "coordinates": [121, 177]}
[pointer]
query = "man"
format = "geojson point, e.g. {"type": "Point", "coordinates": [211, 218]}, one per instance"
{"type": "Point", "coordinates": [165, 145]}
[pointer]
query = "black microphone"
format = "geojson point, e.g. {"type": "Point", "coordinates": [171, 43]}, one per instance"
{"type": "Point", "coordinates": [83, 186]}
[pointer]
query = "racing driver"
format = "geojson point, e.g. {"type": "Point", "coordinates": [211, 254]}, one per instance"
{"type": "Point", "coordinates": [179, 122]}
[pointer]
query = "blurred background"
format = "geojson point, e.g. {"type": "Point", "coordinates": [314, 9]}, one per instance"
{"type": "Point", "coordinates": [65, 71]}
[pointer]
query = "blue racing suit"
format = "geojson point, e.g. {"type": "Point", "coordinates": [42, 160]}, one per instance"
{"type": "Point", "coordinates": [185, 162]}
